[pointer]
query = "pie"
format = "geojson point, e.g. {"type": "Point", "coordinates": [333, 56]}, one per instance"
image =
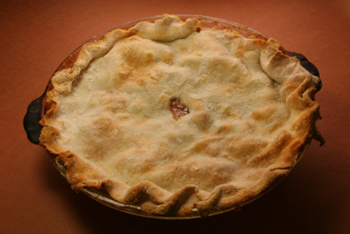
{"type": "Point", "coordinates": [171, 117]}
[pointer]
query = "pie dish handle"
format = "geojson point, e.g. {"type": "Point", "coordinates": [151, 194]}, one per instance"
{"type": "Point", "coordinates": [308, 66]}
{"type": "Point", "coordinates": [31, 120]}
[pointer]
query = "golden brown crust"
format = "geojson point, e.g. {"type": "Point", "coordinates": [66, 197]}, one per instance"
{"type": "Point", "coordinates": [251, 110]}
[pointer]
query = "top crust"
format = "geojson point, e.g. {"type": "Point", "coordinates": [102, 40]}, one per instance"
{"type": "Point", "coordinates": [251, 113]}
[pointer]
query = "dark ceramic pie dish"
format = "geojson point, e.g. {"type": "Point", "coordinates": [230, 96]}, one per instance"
{"type": "Point", "coordinates": [38, 107]}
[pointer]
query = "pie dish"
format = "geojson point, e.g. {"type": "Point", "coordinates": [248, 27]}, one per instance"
{"type": "Point", "coordinates": [179, 117]}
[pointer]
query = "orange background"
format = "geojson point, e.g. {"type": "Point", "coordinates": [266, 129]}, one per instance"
{"type": "Point", "coordinates": [36, 36]}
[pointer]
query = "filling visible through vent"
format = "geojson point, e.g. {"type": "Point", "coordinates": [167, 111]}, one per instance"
{"type": "Point", "coordinates": [178, 108]}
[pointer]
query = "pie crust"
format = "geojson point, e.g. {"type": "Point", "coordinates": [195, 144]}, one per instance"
{"type": "Point", "coordinates": [170, 117]}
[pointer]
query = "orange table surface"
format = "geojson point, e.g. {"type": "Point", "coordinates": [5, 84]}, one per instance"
{"type": "Point", "coordinates": [36, 36]}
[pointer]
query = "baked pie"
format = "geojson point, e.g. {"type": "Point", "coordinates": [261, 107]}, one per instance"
{"type": "Point", "coordinates": [171, 117]}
